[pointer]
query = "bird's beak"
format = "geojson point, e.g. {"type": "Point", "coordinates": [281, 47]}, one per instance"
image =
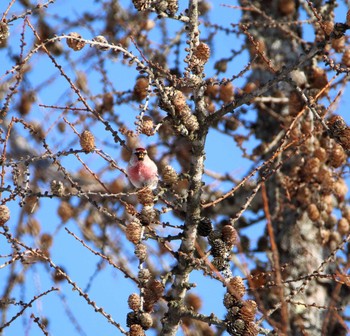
{"type": "Point", "coordinates": [140, 155]}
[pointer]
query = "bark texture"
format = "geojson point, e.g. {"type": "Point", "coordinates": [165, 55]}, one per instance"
{"type": "Point", "coordinates": [300, 241]}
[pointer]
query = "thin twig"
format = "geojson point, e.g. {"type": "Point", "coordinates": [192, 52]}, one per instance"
{"type": "Point", "coordinates": [275, 257]}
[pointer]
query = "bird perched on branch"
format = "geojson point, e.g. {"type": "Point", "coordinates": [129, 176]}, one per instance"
{"type": "Point", "coordinates": [142, 171]}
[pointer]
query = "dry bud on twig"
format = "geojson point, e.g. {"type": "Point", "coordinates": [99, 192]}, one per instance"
{"type": "Point", "coordinates": [101, 39]}
{"type": "Point", "coordinates": [87, 141]}
{"type": "Point", "coordinates": [75, 44]}
{"type": "Point", "coordinates": [65, 211]}
{"type": "Point", "coordinates": [57, 187]}
{"type": "Point", "coordinates": [141, 88]}
{"type": "Point", "coordinates": [202, 52]}
{"type": "Point", "coordinates": [134, 302]}
{"type": "Point", "coordinates": [133, 232]}
{"type": "Point", "coordinates": [236, 287]}
{"type": "Point", "coordinates": [147, 126]}
{"type": "Point", "coordinates": [4, 214]}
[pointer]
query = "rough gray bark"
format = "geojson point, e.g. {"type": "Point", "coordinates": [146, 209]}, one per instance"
{"type": "Point", "coordinates": [186, 251]}
{"type": "Point", "coordinates": [299, 239]}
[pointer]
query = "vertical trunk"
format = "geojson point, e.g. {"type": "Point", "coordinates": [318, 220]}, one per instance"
{"type": "Point", "coordinates": [299, 191]}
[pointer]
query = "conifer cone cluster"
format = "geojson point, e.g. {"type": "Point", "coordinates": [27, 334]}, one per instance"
{"type": "Point", "coordinates": [140, 319]}
{"type": "Point", "coordinates": [313, 185]}
{"type": "Point", "coordinates": [241, 313]}
{"type": "Point", "coordinates": [169, 7]}
{"type": "Point", "coordinates": [153, 292]}
{"type": "Point", "coordinates": [169, 174]}
{"type": "Point", "coordinates": [221, 242]}
{"type": "Point", "coordinates": [145, 196]}
{"type": "Point", "coordinates": [173, 6]}
{"type": "Point", "coordinates": [141, 5]}
{"type": "Point", "coordinates": [340, 131]}
{"type": "Point", "coordinates": [184, 112]}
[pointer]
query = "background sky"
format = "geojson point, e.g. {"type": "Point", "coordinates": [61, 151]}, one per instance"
{"type": "Point", "coordinates": [79, 263]}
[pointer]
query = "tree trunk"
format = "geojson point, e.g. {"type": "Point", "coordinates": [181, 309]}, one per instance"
{"type": "Point", "coordinates": [299, 190]}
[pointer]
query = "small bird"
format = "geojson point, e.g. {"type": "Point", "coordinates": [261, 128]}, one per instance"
{"type": "Point", "coordinates": [142, 171]}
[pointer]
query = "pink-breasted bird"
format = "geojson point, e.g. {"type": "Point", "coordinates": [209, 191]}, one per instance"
{"type": "Point", "coordinates": [142, 171]}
